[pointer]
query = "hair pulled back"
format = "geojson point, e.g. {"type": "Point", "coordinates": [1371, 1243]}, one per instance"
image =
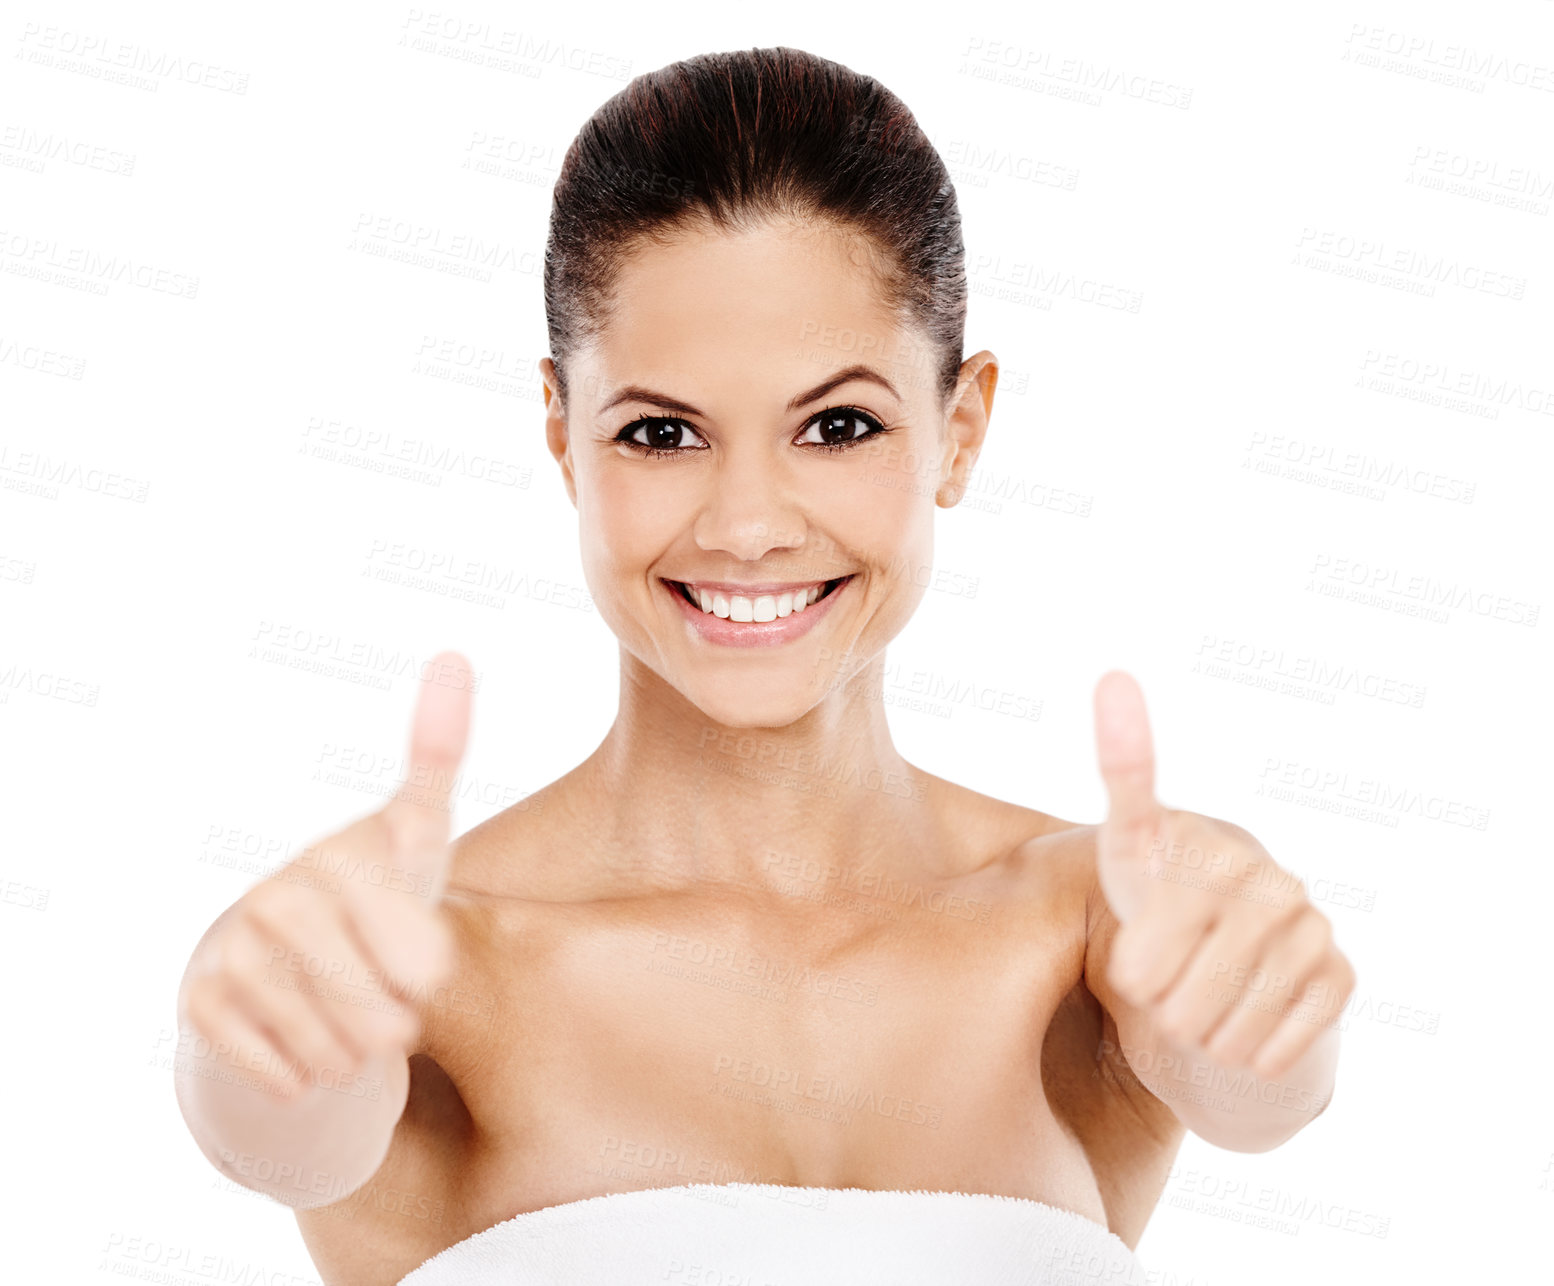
{"type": "Point", "coordinates": [731, 140]}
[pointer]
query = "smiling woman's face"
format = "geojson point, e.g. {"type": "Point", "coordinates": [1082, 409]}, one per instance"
{"type": "Point", "coordinates": [768, 476]}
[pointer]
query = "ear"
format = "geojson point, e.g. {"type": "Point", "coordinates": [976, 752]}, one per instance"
{"type": "Point", "coordinates": [966, 425]}
{"type": "Point", "coordinates": [556, 436]}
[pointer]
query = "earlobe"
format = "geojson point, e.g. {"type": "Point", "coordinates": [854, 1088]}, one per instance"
{"type": "Point", "coordinates": [557, 439]}
{"type": "Point", "coordinates": [566, 475]}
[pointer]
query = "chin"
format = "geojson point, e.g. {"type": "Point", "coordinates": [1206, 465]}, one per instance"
{"type": "Point", "coordinates": [747, 705]}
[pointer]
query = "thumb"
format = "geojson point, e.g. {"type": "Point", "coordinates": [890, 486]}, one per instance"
{"type": "Point", "coordinates": [1126, 755]}
{"type": "Point", "coordinates": [420, 815]}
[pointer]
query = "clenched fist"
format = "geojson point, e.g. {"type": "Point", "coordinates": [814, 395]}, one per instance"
{"type": "Point", "coordinates": [304, 979]}
{"type": "Point", "coordinates": [1234, 964]}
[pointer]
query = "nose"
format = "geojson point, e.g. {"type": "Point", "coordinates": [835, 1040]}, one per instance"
{"type": "Point", "coordinates": [749, 508]}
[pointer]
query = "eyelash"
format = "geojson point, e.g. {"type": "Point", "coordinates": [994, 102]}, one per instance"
{"type": "Point", "coordinates": [877, 430]}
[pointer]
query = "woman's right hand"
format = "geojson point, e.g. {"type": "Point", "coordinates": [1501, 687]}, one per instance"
{"type": "Point", "coordinates": [316, 970]}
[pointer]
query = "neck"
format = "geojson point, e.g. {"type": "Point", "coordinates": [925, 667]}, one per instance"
{"type": "Point", "coordinates": [686, 799]}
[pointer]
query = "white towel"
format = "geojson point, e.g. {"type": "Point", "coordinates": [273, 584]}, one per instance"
{"type": "Point", "coordinates": [762, 1234]}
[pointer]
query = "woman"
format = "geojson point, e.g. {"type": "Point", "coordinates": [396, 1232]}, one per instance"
{"type": "Point", "coordinates": [745, 943]}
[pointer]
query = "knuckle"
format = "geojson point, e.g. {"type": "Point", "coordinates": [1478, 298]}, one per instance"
{"type": "Point", "coordinates": [315, 1052]}
{"type": "Point", "coordinates": [1320, 929]}
{"type": "Point", "coordinates": [1224, 1036]}
{"type": "Point", "coordinates": [238, 951]}
{"type": "Point", "coordinates": [409, 828]}
{"type": "Point", "coordinates": [1174, 1025]}
{"type": "Point", "coordinates": [335, 1056]}
{"type": "Point", "coordinates": [1192, 830]}
{"type": "Point", "coordinates": [269, 898]}
{"type": "Point", "coordinates": [224, 952]}
{"type": "Point", "coordinates": [1133, 994]}
{"type": "Point", "coordinates": [386, 827]}
{"type": "Point", "coordinates": [205, 1005]}
{"type": "Point", "coordinates": [1123, 982]}
{"type": "Point", "coordinates": [294, 1035]}
{"type": "Point", "coordinates": [361, 900]}
{"type": "Point", "coordinates": [1240, 834]}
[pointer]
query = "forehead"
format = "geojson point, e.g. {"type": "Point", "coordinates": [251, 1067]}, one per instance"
{"type": "Point", "coordinates": [783, 303]}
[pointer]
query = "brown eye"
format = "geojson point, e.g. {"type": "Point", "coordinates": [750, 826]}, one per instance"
{"type": "Point", "coordinates": [659, 434]}
{"type": "Point", "coordinates": [840, 426]}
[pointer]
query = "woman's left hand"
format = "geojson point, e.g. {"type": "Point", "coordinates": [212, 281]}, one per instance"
{"type": "Point", "coordinates": [1220, 948]}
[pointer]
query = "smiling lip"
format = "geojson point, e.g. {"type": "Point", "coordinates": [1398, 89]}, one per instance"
{"type": "Point", "coordinates": [717, 629]}
{"type": "Point", "coordinates": [754, 588]}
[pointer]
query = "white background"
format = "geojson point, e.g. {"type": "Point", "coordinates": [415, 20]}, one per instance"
{"type": "Point", "coordinates": [161, 515]}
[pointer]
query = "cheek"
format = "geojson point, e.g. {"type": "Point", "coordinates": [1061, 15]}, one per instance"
{"type": "Point", "coordinates": [621, 532]}
{"type": "Point", "coordinates": [627, 518]}
{"type": "Point", "coordinates": [890, 521]}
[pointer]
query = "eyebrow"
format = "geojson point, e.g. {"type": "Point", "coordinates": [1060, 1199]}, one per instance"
{"type": "Point", "coordinates": [637, 393]}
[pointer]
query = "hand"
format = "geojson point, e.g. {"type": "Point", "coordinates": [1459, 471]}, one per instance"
{"type": "Point", "coordinates": [1219, 946]}
{"type": "Point", "coordinates": [308, 974]}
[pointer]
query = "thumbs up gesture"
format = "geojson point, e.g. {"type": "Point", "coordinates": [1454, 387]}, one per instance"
{"type": "Point", "coordinates": [1219, 948]}
{"type": "Point", "coordinates": [320, 967]}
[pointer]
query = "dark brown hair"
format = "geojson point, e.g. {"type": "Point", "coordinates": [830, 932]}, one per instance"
{"type": "Point", "coordinates": [732, 139]}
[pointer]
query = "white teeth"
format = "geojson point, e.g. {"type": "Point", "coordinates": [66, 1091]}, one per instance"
{"type": "Point", "coordinates": [763, 607]}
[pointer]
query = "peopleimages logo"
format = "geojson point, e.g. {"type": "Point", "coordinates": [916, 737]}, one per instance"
{"type": "Point", "coordinates": [1448, 56]}
{"type": "Point", "coordinates": [1377, 257]}
{"type": "Point", "coordinates": [108, 58]}
{"type": "Point", "coordinates": [26, 255]}
{"type": "Point", "coordinates": [1042, 70]}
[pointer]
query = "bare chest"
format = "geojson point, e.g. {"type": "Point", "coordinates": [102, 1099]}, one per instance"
{"type": "Point", "coordinates": [583, 1051]}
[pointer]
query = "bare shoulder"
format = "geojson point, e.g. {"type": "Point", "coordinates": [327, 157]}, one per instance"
{"type": "Point", "coordinates": [515, 853]}
{"type": "Point", "coordinates": [1028, 863]}
{"type": "Point", "coordinates": [999, 829]}
{"type": "Point", "coordinates": [1042, 862]}
{"type": "Point", "coordinates": [1060, 850]}
{"type": "Point", "coordinates": [487, 847]}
